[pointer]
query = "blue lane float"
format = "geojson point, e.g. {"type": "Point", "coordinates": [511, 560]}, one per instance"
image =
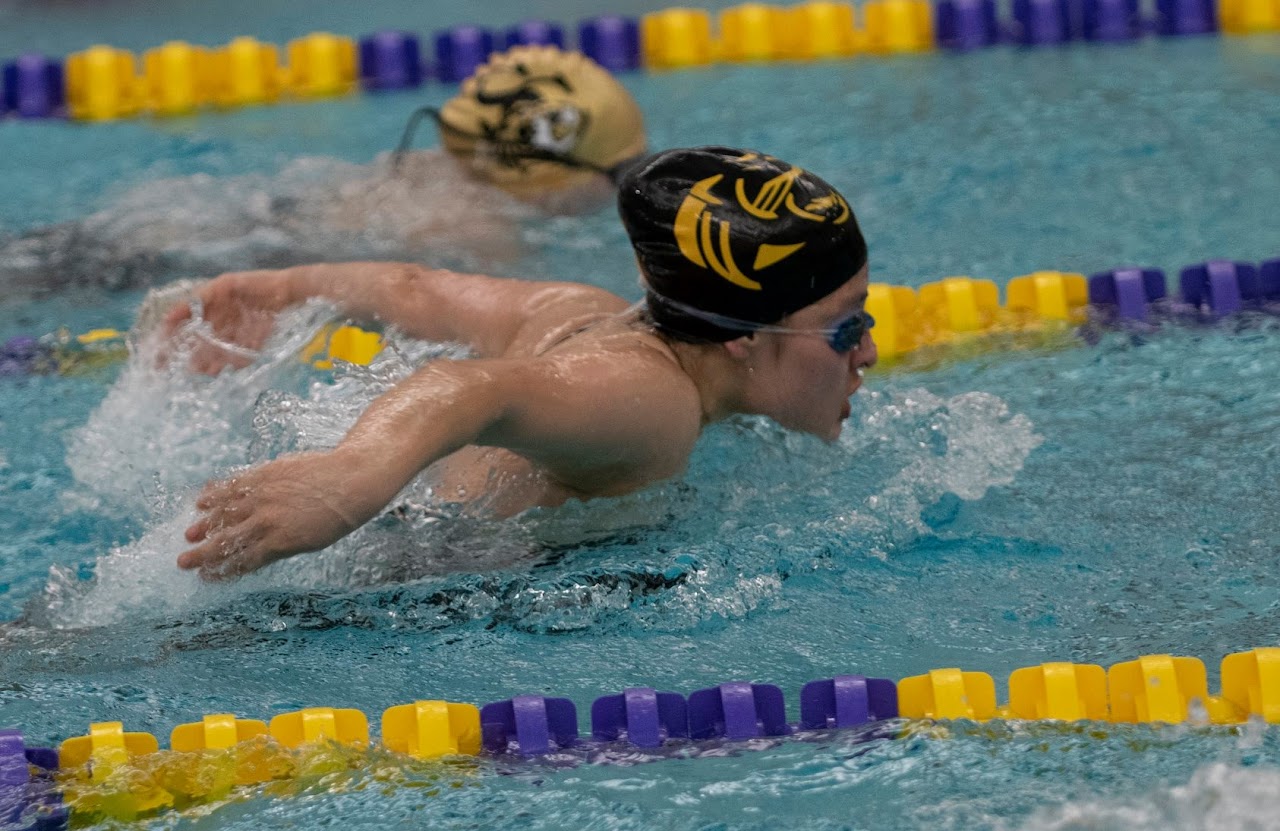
{"type": "Point", "coordinates": [1041, 22]}
{"type": "Point", "coordinates": [736, 711]}
{"type": "Point", "coordinates": [1129, 290]}
{"type": "Point", "coordinates": [1186, 17]}
{"type": "Point", "coordinates": [531, 725]}
{"type": "Point", "coordinates": [1269, 274]}
{"type": "Point", "coordinates": [963, 25]}
{"type": "Point", "coordinates": [460, 51]}
{"type": "Point", "coordinates": [20, 355]}
{"type": "Point", "coordinates": [641, 716]}
{"type": "Point", "coordinates": [847, 701]}
{"type": "Point", "coordinates": [1220, 287]}
{"type": "Point", "coordinates": [390, 60]}
{"type": "Point", "coordinates": [1112, 21]}
{"type": "Point", "coordinates": [535, 33]}
{"type": "Point", "coordinates": [29, 800]}
{"type": "Point", "coordinates": [611, 41]}
{"type": "Point", "coordinates": [33, 87]}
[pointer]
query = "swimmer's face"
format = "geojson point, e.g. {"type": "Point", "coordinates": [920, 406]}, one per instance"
{"type": "Point", "coordinates": [799, 380]}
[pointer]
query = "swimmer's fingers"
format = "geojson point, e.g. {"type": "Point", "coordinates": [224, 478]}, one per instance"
{"type": "Point", "coordinates": [208, 359]}
{"type": "Point", "coordinates": [222, 504]}
{"type": "Point", "coordinates": [223, 556]}
{"type": "Point", "coordinates": [175, 318]}
{"type": "Point", "coordinates": [216, 520]}
{"type": "Point", "coordinates": [217, 491]}
{"type": "Point", "coordinates": [227, 543]}
{"type": "Point", "coordinates": [237, 486]}
{"type": "Point", "coordinates": [202, 555]}
{"type": "Point", "coordinates": [228, 536]}
{"type": "Point", "coordinates": [198, 530]}
{"type": "Point", "coordinates": [239, 311]}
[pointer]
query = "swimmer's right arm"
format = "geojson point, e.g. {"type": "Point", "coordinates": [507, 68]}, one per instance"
{"type": "Point", "coordinates": [485, 313]}
{"type": "Point", "coordinates": [585, 412]}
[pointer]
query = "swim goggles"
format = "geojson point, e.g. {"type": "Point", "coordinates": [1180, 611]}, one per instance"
{"type": "Point", "coordinates": [507, 152]}
{"type": "Point", "coordinates": [842, 338]}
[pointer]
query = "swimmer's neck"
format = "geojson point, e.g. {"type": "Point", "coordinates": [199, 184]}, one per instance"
{"type": "Point", "coordinates": [721, 380]}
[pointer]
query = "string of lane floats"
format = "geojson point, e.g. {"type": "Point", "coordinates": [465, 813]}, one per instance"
{"type": "Point", "coordinates": [950, 314]}
{"type": "Point", "coordinates": [120, 774]}
{"type": "Point", "coordinates": [178, 78]}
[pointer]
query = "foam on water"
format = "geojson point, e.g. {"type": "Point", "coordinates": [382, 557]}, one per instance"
{"type": "Point", "coordinates": [1123, 505]}
{"type": "Point", "coordinates": [312, 209]}
{"type": "Point", "coordinates": [958, 447]}
{"type": "Point", "coordinates": [161, 431]}
{"type": "Point", "coordinates": [1218, 797]}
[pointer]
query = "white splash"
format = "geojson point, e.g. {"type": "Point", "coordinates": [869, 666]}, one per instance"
{"type": "Point", "coordinates": [137, 579]}
{"type": "Point", "coordinates": [161, 429]}
{"type": "Point", "coordinates": [964, 445]}
{"type": "Point", "coordinates": [314, 209]}
{"type": "Point", "coordinates": [162, 432]}
{"type": "Point", "coordinates": [1218, 797]}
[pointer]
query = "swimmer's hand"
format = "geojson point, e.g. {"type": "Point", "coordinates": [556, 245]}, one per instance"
{"type": "Point", "coordinates": [294, 504]}
{"type": "Point", "coordinates": [240, 308]}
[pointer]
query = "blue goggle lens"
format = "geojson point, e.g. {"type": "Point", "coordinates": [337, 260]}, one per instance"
{"type": "Point", "coordinates": [849, 333]}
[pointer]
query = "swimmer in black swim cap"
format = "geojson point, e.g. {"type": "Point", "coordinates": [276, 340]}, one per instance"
{"type": "Point", "coordinates": [730, 241]}
{"type": "Point", "coordinates": [756, 282]}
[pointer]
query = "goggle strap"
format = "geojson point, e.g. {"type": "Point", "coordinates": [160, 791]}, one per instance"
{"type": "Point", "coordinates": [747, 327]}
{"type": "Point", "coordinates": [507, 151]}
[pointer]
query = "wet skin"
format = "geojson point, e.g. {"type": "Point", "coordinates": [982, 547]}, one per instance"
{"type": "Point", "coordinates": [567, 398]}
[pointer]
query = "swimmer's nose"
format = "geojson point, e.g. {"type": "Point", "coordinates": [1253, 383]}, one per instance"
{"type": "Point", "coordinates": [866, 355]}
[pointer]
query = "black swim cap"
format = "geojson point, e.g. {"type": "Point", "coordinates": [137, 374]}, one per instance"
{"type": "Point", "coordinates": [729, 239]}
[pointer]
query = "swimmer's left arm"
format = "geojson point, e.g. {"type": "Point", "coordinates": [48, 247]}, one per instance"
{"type": "Point", "coordinates": [486, 313]}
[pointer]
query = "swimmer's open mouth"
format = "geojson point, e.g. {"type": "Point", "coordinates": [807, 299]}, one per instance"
{"type": "Point", "coordinates": [857, 385]}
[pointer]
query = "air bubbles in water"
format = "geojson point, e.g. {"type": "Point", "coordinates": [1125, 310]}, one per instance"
{"type": "Point", "coordinates": [960, 446]}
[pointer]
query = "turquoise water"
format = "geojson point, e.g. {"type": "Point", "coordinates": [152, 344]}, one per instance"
{"type": "Point", "coordinates": [1090, 503]}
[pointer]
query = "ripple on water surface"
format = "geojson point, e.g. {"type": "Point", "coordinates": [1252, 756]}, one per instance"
{"type": "Point", "coordinates": [1092, 503]}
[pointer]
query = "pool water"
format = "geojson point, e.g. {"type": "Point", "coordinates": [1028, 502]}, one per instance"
{"type": "Point", "coordinates": [1092, 502]}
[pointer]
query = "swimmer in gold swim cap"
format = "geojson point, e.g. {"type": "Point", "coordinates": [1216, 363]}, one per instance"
{"type": "Point", "coordinates": [533, 125]}
{"type": "Point", "coordinates": [538, 121]}
{"type": "Point", "coordinates": [755, 275]}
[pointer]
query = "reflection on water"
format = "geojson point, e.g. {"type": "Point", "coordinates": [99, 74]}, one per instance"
{"type": "Point", "coordinates": [1012, 507]}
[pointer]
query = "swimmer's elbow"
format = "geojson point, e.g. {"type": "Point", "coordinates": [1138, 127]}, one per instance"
{"type": "Point", "coordinates": [412, 284]}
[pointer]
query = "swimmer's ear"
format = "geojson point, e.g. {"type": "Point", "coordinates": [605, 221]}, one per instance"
{"type": "Point", "coordinates": [740, 349]}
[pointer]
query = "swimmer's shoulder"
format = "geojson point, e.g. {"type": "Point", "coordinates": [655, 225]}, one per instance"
{"type": "Point", "coordinates": [636, 382]}
{"type": "Point", "coordinates": [636, 415]}
{"type": "Point", "coordinates": [554, 314]}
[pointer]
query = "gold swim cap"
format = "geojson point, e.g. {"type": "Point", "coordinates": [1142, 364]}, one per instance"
{"type": "Point", "coordinates": [535, 119]}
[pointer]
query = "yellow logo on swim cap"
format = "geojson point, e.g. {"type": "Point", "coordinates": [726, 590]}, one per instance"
{"type": "Point", "coordinates": [693, 223]}
{"type": "Point", "coordinates": [693, 235]}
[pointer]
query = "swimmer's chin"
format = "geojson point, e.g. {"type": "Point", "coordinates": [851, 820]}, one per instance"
{"type": "Point", "coordinates": [833, 433]}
